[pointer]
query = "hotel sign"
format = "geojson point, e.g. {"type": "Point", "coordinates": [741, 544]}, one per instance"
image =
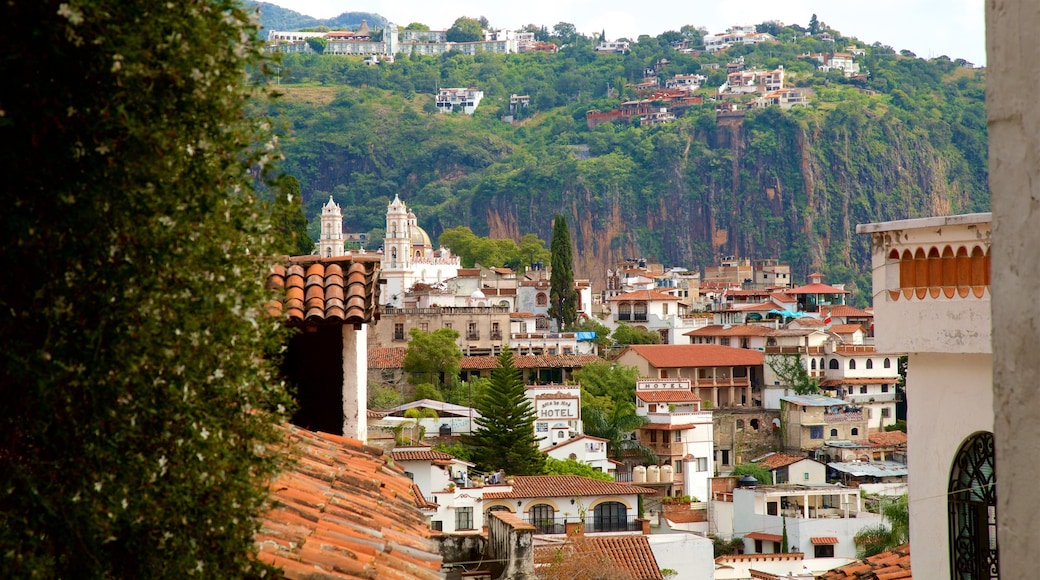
{"type": "Point", "coordinates": [557, 408]}
{"type": "Point", "coordinates": [662, 384]}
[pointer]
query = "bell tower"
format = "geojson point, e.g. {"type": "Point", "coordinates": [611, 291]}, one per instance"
{"type": "Point", "coordinates": [330, 244]}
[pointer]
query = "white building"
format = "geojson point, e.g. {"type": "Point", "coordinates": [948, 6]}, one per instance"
{"type": "Point", "coordinates": [557, 412]}
{"type": "Point", "coordinates": [330, 242]}
{"type": "Point", "coordinates": [586, 449]}
{"type": "Point", "coordinates": [821, 520]}
{"type": "Point", "coordinates": [932, 300]}
{"type": "Point", "coordinates": [680, 433]}
{"type": "Point", "coordinates": [459, 100]}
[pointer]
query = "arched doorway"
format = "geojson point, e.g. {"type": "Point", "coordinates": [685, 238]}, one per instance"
{"type": "Point", "coordinates": [610, 516]}
{"type": "Point", "coordinates": [973, 510]}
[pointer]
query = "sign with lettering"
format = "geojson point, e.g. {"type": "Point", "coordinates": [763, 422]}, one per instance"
{"type": "Point", "coordinates": [557, 408]}
{"type": "Point", "coordinates": [662, 384]}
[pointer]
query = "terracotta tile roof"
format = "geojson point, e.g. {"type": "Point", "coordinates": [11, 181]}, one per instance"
{"type": "Point", "coordinates": [846, 328]}
{"type": "Point", "coordinates": [789, 557]}
{"type": "Point", "coordinates": [668, 396]}
{"type": "Point", "coordinates": [647, 295]}
{"type": "Point", "coordinates": [695, 355]}
{"type": "Point", "coordinates": [764, 536]}
{"type": "Point", "coordinates": [845, 311]}
{"type": "Point", "coordinates": [807, 321]}
{"type": "Point", "coordinates": [817, 289]}
{"type": "Point", "coordinates": [386, 358]}
{"type": "Point", "coordinates": [521, 315]}
{"type": "Point", "coordinates": [531, 486]}
{"type": "Point", "coordinates": [778, 460]}
{"type": "Point", "coordinates": [631, 554]}
{"type": "Point", "coordinates": [823, 541]}
{"type": "Point", "coordinates": [888, 439]}
{"type": "Point", "coordinates": [420, 455]}
{"type": "Point", "coordinates": [892, 565]}
{"type": "Point", "coordinates": [727, 330]}
{"type": "Point", "coordinates": [685, 516]}
{"type": "Point", "coordinates": [343, 289]}
{"type": "Point", "coordinates": [341, 512]}
{"type": "Point", "coordinates": [531, 362]}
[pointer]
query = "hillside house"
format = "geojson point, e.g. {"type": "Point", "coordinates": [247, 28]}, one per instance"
{"type": "Point", "coordinates": [813, 419]}
{"type": "Point", "coordinates": [459, 100]}
{"type": "Point", "coordinates": [719, 375]}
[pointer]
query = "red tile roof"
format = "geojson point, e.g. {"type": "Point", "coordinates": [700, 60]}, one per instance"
{"type": "Point", "coordinates": [668, 396]}
{"type": "Point", "coordinates": [531, 486]}
{"type": "Point", "coordinates": [845, 311]}
{"type": "Point", "coordinates": [727, 330]}
{"type": "Point", "coordinates": [647, 295]}
{"type": "Point", "coordinates": [386, 358]}
{"type": "Point", "coordinates": [778, 460]}
{"type": "Point", "coordinates": [817, 289]}
{"type": "Point", "coordinates": [789, 557]}
{"type": "Point", "coordinates": [315, 289]}
{"type": "Point", "coordinates": [630, 554]}
{"type": "Point", "coordinates": [892, 565]}
{"type": "Point", "coordinates": [420, 455]}
{"type": "Point", "coordinates": [695, 355]}
{"type": "Point", "coordinates": [341, 512]}
{"type": "Point", "coordinates": [764, 536]}
{"type": "Point", "coordinates": [846, 328]}
{"type": "Point", "coordinates": [888, 439]}
{"type": "Point", "coordinates": [823, 541]}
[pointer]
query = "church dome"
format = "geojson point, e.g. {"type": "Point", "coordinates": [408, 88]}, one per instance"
{"type": "Point", "coordinates": [420, 237]}
{"type": "Point", "coordinates": [478, 295]}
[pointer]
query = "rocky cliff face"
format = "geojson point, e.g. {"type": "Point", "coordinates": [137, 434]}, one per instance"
{"type": "Point", "coordinates": [771, 185]}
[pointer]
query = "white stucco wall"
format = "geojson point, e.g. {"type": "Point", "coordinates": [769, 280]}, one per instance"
{"type": "Point", "coordinates": [355, 382]}
{"type": "Point", "coordinates": [692, 556]}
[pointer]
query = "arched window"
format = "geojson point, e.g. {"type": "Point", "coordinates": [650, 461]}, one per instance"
{"type": "Point", "coordinates": [887, 364]}
{"type": "Point", "coordinates": [813, 364]}
{"type": "Point", "coordinates": [834, 433]}
{"type": "Point", "coordinates": [834, 364]}
{"type": "Point", "coordinates": [821, 364]}
{"type": "Point", "coordinates": [754, 424]}
{"type": "Point", "coordinates": [870, 363]}
{"type": "Point", "coordinates": [855, 431]}
{"type": "Point", "coordinates": [393, 257]}
{"type": "Point", "coordinates": [542, 517]}
{"type": "Point", "coordinates": [541, 299]}
{"type": "Point", "coordinates": [610, 516]}
{"type": "Point", "coordinates": [495, 508]}
{"type": "Point", "coordinates": [852, 364]}
{"type": "Point", "coordinates": [973, 510]}
{"type": "Point", "coordinates": [328, 252]}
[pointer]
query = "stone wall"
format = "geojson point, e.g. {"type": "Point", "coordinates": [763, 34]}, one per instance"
{"type": "Point", "coordinates": [745, 434]}
{"type": "Point", "coordinates": [511, 542]}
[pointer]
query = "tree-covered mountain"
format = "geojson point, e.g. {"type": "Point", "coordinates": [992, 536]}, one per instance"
{"type": "Point", "coordinates": [908, 140]}
{"type": "Point", "coordinates": [273, 17]}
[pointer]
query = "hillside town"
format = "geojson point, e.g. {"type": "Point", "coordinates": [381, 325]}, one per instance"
{"type": "Point", "coordinates": [439, 417]}
{"type": "Point", "coordinates": [715, 393]}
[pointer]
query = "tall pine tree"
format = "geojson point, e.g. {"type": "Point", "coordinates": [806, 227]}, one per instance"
{"type": "Point", "coordinates": [504, 438]}
{"type": "Point", "coordinates": [563, 298]}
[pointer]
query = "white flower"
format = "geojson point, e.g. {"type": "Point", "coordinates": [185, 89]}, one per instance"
{"type": "Point", "coordinates": [72, 14]}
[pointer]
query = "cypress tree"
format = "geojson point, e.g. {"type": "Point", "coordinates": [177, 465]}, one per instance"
{"type": "Point", "coordinates": [563, 298]}
{"type": "Point", "coordinates": [504, 437]}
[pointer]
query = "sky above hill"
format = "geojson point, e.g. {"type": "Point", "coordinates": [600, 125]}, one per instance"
{"type": "Point", "coordinates": [929, 28]}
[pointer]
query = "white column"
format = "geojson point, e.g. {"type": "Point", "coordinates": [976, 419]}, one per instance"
{"type": "Point", "coordinates": [355, 382]}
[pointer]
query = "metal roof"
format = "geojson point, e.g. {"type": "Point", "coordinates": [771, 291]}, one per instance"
{"type": "Point", "coordinates": [871, 469]}
{"type": "Point", "coordinates": [814, 401]}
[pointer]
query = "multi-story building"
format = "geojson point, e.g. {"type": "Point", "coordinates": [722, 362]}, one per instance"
{"type": "Point", "coordinates": [459, 100]}
{"type": "Point", "coordinates": [557, 411]}
{"type": "Point", "coordinates": [810, 420]}
{"type": "Point", "coordinates": [720, 376]}
{"type": "Point", "coordinates": [679, 432]}
{"type": "Point", "coordinates": [931, 280]}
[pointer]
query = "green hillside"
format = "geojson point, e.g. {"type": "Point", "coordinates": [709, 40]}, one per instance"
{"type": "Point", "coordinates": [908, 140]}
{"type": "Point", "coordinates": [274, 17]}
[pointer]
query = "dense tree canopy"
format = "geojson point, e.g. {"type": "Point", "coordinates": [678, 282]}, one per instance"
{"type": "Point", "coordinates": [432, 357]}
{"type": "Point", "coordinates": [139, 403]}
{"type": "Point", "coordinates": [465, 30]}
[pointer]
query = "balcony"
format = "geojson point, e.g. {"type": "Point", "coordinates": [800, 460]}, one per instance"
{"type": "Point", "coordinates": [473, 335]}
{"type": "Point", "coordinates": [626, 317]}
{"type": "Point", "coordinates": [496, 335]}
{"type": "Point", "coordinates": [794, 350]}
{"type": "Point", "coordinates": [875, 398]}
{"type": "Point", "coordinates": [843, 417]}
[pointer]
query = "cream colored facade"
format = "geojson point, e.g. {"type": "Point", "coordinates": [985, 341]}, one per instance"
{"type": "Point", "coordinates": [932, 300]}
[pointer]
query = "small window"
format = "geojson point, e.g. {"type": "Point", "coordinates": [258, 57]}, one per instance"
{"type": "Point", "coordinates": [863, 390]}
{"type": "Point", "coordinates": [678, 437]}
{"type": "Point", "coordinates": [884, 388]}
{"type": "Point", "coordinates": [398, 331]}
{"type": "Point", "coordinates": [678, 466]}
{"type": "Point", "coordinates": [653, 436]}
{"type": "Point", "coordinates": [816, 432]}
{"type": "Point", "coordinates": [870, 363]}
{"type": "Point", "coordinates": [541, 299]}
{"type": "Point", "coordinates": [834, 433]}
{"type": "Point", "coordinates": [437, 526]}
{"type": "Point", "coordinates": [852, 364]}
{"type": "Point", "coordinates": [834, 365]}
{"type": "Point", "coordinates": [724, 341]}
{"type": "Point", "coordinates": [805, 474]}
{"type": "Point", "coordinates": [855, 431]}
{"type": "Point", "coordinates": [887, 364]}
{"type": "Point", "coordinates": [886, 412]}
{"type": "Point", "coordinates": [740, 423]}
{"type": "Point", "coordinates": [826, 551]}
{"type": "Point", "coordinates": [702, 464]}
{"type": "Point", "coordinates": [758, 543]}
{"type": "Point", "coordinates": [725, 456]}
{"type": "Point", "coordinates": [424, 326]}
{"type": "Point", "coordinates": [813, 363]}
{"type": "Point", "coordinates": [464, 518]}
